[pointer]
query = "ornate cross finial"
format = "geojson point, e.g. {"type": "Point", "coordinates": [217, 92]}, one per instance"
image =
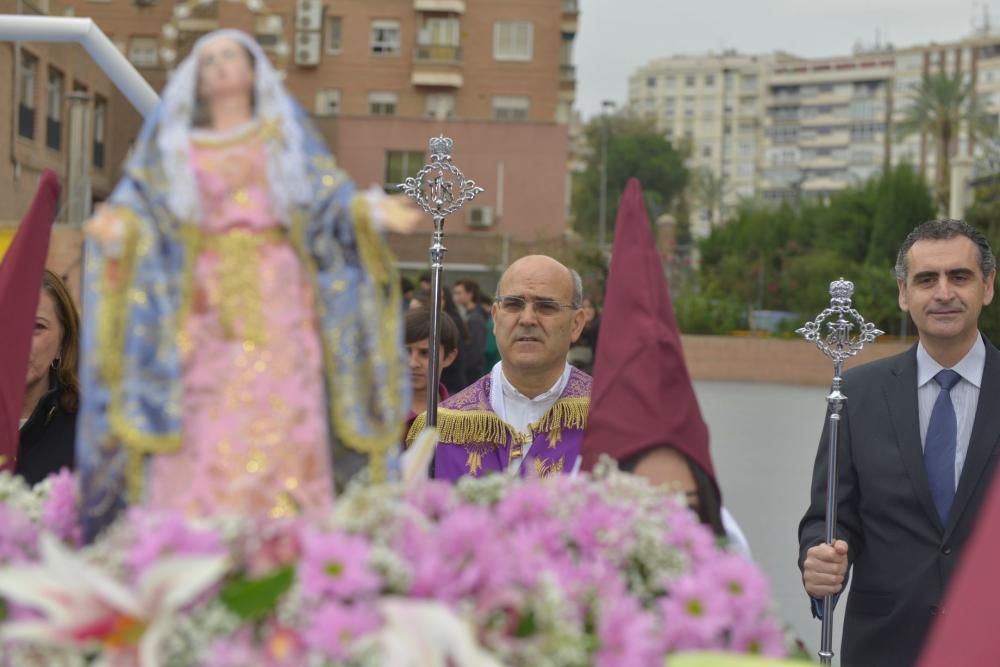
{"type": "Point", "coordinates": [440, 188]}
{"type": "Point", "coordinates": [839, 319]}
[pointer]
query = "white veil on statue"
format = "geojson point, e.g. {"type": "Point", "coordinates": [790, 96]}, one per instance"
{"type": "Point", "coordinates": [273, 105]}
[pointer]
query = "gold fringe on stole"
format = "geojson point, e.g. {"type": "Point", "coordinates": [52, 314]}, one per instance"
{"type": "Point", "coordinates": [479, 427]}
{"type": "Point", "coordinates": [472, 427]}
{"type": "Point", "coordinates": [565, 413]}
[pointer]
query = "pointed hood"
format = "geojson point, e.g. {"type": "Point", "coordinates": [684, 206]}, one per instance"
{"type": "Point", "coordinates": [20, 287]}
{"type": "Point", "coordinates": [642, 397]}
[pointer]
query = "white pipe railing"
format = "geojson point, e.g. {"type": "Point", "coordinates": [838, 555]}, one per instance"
{"type": "Point", "coordinates": [19, 28]}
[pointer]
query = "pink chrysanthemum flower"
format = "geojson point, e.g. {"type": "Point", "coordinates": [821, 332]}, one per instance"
{"type": "Point", "coordinates": [337, 564]}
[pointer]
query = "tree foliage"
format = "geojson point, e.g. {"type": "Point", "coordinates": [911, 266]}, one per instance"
{"type": "Point", "coordinates": [634, 149]}
{"type": "Point", "coordinates": [940, 107]}
{"type": "Point", "coordinates": [785, 258]}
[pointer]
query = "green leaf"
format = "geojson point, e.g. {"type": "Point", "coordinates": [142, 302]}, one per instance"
{"type": "Point", "coordinates": [253, 599]}
{"type": "Point", "coordinates": [526, 625]}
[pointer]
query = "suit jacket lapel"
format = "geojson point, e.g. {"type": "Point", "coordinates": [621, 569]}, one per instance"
{"type": "Point", "coordinates": [901, 395]}
{"type": "Point", "coordinates": [985, 434]}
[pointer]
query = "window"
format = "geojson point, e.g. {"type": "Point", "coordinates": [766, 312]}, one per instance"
{"type": "Point", "coordinates": [382, 104]}
{"type": "Point", "coordinates": [142, 51]}
{"type": "Point", "coordinates": [100, 118]}
{"type": "Point", "coordinates": [268, 31]}
{"type": "Point", "coordinates": [706, 150]}
{"type": "Point", "coordinates": [651, 82]}
{"type": "Point", "coordinates": [53, 109]}
{"type": "Point", "coordinates": [785, 134]}
{"type": "Point", "coordinates": [513, 40]}
{"type": "Point", "coordinates": [27, 78]}
{"type": "Point", "coordinates": [438, 40]}
{"type": "Point", "coordinates": [689, 81]}
{"type": "Point", "coordinates": [439, 32]}
{"type": "Point", "coordinates": [865, 131]}
{"type": "Point", "coordinates": [400, 165]}
{"type": "Point", "coordinates": [439, 105]}
{"type": "Point", "coordinates": [334, 34]}
{"type": "Point", "coordinates": [709, 80]}
{"type": "Point", "coordinates": [328, 102]}
{"type": "Point", "coordinates": [511, 108]}
{"type": "Point", "coordinates": [385, 38]}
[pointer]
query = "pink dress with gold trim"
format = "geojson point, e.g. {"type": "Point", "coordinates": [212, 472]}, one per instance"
{"type": "Point", "coordinates": [255, 438]}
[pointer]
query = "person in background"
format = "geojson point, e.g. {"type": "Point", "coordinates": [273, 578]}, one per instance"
{"type": "Point", "coordinates": [406, 290]}
{"type": "Point", "coordinates": [584, 349]}
{"type": "Point", "coordinates": [644, 411]}
{"type": "Point", "coordinates": [491, 352]}
{"type": "Point", "coordinates": [453, 376]}
{"type": "Point", "coordinates": [526, 415]}
{"type": "Point", "coordinates": [917, 454]}
{"type": "Point", "coordinates": [467, 293]}
{"type": "Point", "coordinates": [51, 395]}
{"type": "Point", "coordinates": [417, 334]}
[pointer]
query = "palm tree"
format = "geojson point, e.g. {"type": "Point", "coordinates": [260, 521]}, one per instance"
{"type": "Point", "coordinates": [942, 105]}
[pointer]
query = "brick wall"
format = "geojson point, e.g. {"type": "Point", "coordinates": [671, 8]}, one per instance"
{"type": "Point", "coordinates": [785, 361]}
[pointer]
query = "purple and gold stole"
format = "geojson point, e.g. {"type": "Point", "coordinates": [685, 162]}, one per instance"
{"type": "Point", "coordinates": [475, 441]}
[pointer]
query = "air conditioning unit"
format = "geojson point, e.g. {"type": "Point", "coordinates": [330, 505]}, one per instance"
{"type": "Point", "coordinates": [309, 15]}
{"type": "Point", "coordinates": [481, 216]}
{"type": "Point", "coordinates": [307, 48]}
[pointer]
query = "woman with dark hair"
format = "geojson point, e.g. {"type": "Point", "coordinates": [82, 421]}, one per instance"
{"type": "Point", "coordinates": [51, 393]}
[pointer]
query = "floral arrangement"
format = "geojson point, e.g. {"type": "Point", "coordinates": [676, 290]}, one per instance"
{"type": "Point", "coordinates": [601, 570]}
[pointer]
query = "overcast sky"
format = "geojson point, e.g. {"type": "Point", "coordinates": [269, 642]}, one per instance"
{"type": "Point", "coordinates": [616, 36]}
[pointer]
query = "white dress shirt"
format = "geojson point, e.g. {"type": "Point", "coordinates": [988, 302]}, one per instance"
{"type": "Point", "coordinates": [516, 409]}
{"type": "Point", "coordinates": [964, 395]}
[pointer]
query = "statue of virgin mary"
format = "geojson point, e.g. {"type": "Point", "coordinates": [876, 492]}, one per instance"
{"type": "Point", "coordinates": [241, 315]}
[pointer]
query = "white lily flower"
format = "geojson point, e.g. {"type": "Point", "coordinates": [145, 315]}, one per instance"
{"type": "Point", "coordinates": [83, 606]}
{"type": "Point", "coordinates": [425, 633]}
{"type": "Point", "coordinates": [415, 461]}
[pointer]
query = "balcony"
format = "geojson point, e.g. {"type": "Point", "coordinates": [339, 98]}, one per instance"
{"type": "Point", "coordinates": [831, 140]}
{"type": "Point", "coordinates": [447, 6]}
{"type": "Point", "coordinates": [567, 77]}
{"type": "Point", "coordinates": [570, 14]}
{"type": "Point", "coordinates": [438, 53]}
{"type": "Point", "coordinates": [437, 66]}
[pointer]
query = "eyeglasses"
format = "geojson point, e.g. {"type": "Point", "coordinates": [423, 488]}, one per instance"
{"type": "Point", "coordinates": [544, 307]}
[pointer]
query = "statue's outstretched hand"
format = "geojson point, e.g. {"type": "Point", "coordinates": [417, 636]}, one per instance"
{"type": "Point", "coordinates": [399, 213]}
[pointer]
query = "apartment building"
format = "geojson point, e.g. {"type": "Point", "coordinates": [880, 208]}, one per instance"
{"type": "Point", "coordinates": [380, 78]}
{"type": "Point", "coordinates": [826, 124]}
{"type": "Point", "coordinates": [712, 108]}
{"type": "Point", "coordinates": [818, 125]}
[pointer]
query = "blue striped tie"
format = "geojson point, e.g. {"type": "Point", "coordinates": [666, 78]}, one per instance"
{"type": "Point", "coordinates": [939, 446]}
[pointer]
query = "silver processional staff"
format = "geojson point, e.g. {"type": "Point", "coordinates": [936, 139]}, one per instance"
{"type": "Point", "coordinates": [440, 189]}
{"type": "Point", "coordinates": [838, 344]}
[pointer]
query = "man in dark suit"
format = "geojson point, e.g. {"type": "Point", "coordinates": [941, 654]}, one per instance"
{"type": "Point", "coordinates": [917, 451]}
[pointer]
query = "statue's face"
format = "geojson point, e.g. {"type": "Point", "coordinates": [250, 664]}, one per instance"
{"type": "Point", "coordinates": [225, 68]}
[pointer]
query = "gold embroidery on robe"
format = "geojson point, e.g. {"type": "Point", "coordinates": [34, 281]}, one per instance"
{"type": "Point", "coordinates": [545, 468]}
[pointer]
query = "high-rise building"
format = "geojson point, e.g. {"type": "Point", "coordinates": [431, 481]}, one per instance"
{"type": "Point", "coordinates": [711, 107]}
{"type": "Point", "coordinates": [819, 125]}
{"type": "Point", "coordinates": [826, 124]}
